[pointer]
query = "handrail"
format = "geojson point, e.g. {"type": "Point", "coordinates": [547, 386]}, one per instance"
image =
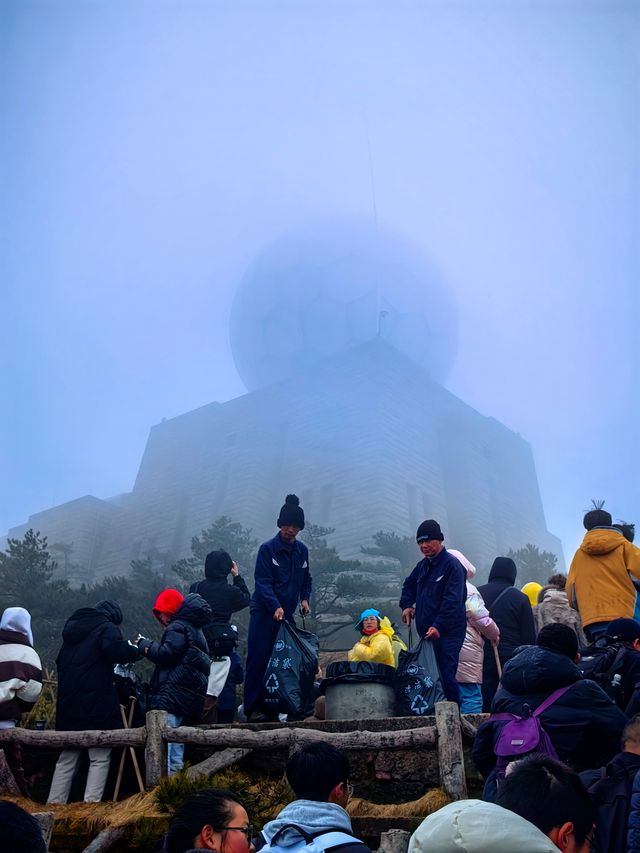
{"type": "Point", "coordinates": [446, 736]}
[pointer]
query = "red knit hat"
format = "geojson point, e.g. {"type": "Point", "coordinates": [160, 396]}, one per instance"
{"type": "Point", "coordinates": [168, 601]}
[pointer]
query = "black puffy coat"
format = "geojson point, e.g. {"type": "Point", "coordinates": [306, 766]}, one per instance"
{"type": "Point", "coordinates": [179, 682]}
{"type": "Point", "coordinates": [92, 643]}
{"type": "Point", "coordinates": [512, 614]}
{"type": "Point", "coordinates": [584, 724]}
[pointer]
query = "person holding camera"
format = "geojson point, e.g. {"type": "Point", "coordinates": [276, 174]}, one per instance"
{"type": "Point", "coordinates": [224, 599]}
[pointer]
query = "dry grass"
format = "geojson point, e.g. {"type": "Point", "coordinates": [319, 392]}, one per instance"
{"type": "Point", "coordinates": [428, 803]}
{"type": "Point", "coordinates": [146, 816]}
{"type": "Point", "coordinates": [98, 816]}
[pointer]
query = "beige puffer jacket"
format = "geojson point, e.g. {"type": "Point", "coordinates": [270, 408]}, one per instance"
{"type": "Point", "coordinates": [553, 606]}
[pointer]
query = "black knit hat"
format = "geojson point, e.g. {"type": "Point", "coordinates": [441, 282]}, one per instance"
{"type": "Point", "coordinates": [111, 610]}
{"type": "Point", "coordinates": [626, 630]}
{"type": "Point", "coordinates": [217, 564]}
{"type": "Point", "coordinates": [597, 517]}
{"type": "Point", "coordinates": [429, 529]}
{"type": "Point", "coordinates": [557, 637]}
{"type": "Point", "coordinates": [291, 513]}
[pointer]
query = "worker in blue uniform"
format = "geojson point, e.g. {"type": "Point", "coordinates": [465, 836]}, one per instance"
{"type": "Point", "coordinates": [282, 585]}
{"type": "Point", "coordinates": [435, 594]}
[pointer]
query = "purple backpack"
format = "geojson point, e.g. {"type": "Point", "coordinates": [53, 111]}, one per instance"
{"type": "Point", "coordinates": [522, 735]}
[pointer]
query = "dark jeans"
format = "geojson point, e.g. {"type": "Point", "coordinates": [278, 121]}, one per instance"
{"type": "Point", "coordinates": [263, 630]}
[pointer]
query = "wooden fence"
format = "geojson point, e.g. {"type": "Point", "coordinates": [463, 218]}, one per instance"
{"type": "Point", "coordinates": [233, 742]}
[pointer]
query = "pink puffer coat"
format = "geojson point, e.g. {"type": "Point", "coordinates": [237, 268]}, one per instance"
{"type": "Point", "coordinates": [479, 625]}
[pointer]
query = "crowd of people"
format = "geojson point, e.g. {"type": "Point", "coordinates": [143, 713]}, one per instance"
{"type": "Point", "coordinates": [561, 662]}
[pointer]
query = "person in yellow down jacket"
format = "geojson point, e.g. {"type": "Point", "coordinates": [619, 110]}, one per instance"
{"type": "Point", "coordinates": [375, 643]}
{"type": "Point", "coordinates": [599, 584]}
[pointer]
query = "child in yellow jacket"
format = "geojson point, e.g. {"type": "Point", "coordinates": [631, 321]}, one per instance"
{"type": "Point", "coordinates": [375, 643]}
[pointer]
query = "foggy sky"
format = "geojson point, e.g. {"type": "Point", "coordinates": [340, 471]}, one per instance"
{"type": "Point", "coordinates": [149, 150]}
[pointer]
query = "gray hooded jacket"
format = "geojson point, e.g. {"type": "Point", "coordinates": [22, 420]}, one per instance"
{"type": "Point", "coordinates": [314, 818]}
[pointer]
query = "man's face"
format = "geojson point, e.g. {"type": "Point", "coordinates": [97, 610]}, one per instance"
{"type": "Point", "coordinates": [430, 548]}
{"type": "Point", "coordinates": [289, 533]}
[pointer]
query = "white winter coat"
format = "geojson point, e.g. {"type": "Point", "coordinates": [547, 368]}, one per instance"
{"type": "Point", "coordinates": [479, 625]}
{"type": "Point", "coordinates": [473, 826]}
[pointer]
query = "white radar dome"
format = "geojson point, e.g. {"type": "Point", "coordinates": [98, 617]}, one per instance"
{"type": "Point", "coordinates": [333, 285]}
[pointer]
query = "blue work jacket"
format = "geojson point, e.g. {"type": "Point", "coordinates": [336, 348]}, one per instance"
{"type": "Point", "coordinates": [437, 588]}
{"type": "Point", "coordinates": [282, 577]}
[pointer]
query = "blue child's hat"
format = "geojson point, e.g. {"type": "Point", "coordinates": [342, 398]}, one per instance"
{"type": "Point", "coordinates": [370, 612]}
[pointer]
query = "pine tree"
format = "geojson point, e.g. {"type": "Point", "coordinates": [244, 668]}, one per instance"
{"type": "Point", "coordinates": [533, 564]}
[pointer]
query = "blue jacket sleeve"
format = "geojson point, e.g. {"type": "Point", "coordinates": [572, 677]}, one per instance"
{"type": "Point", "coordinates": [409, 589]}
{"type": "Point", "coordinates": [169, 651]}
{"type": "Point", "coordinates": [307, 583]}
{"type": "Point", "coordinates": [453, 598]}
{"type": "Point", "coordinates": [263, 580]}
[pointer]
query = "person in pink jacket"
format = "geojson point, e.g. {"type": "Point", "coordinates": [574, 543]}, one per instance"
{"type": "Point", "coordinates": [480, 625]}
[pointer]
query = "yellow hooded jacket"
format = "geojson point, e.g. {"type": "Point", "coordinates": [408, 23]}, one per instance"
{"type": "Point", "coordinates": [598, 582]}
{"type": "Point", "coordinates": [375, 647]}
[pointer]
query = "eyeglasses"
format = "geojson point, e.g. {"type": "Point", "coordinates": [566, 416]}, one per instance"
{"type": "Point", "coordinates": [248, 830]}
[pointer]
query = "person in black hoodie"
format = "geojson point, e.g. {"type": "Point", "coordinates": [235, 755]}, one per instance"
{"type": "Point", "coordinates": [583, 724]}
{"type": "Point", "coordinates": [87, 696]}
{"type": "Point", "coordinates": [223, 598]}
{"type": "Point", "coordinates": [511, 611]}
{"type": "Point", "coordinates": [179, 682]}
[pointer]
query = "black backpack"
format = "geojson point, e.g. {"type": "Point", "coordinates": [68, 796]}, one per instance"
{"type": "Point", "coordinates": [603, 662]}
{"type": "Point", "coordinates": [611, 797]}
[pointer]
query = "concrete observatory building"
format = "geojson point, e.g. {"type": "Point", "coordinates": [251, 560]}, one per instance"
{"type": "Point", "coordinates": [343, 336]}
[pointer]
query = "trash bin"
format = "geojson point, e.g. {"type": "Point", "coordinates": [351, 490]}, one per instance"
{"type": "Point", "coordinates": [358, 690]}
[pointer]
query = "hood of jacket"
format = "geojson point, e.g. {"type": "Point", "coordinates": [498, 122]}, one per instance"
{"type": "Point", "coordinates": [81, 623]}
{"type": "Point", "coordinates": [217, 565]}
{"type": "Point", "coordinates": [534, 670]}
{"type": "Point", "coordinates": [602, 540]}
{"type": "Point", "coordinates": [308, 815]}
{"type": "Point", "coordinates": [194, 610]}
{"type": "Point", "coordinates": [503, 569]}
{"type": "Point", "coordinates": [552, 593]}
{"type": "Point", "coordinates": [17, 620]}
{"type": "Point", "coordinates": [473, 826]}
{"type": "Point", "coordinates": [111, 610]}
{"type": "Point", "coordinates": [468, 565]}
{"type": "Point", "coordinates": [546, 589]}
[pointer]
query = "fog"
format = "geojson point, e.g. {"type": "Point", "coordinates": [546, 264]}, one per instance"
{"type": "Point", "coordinates": [150, 150]}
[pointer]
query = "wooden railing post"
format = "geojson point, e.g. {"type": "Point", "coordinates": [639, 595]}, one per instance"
{"type": "Point", "coordinates": [394, 841]}
{"type": "Point", "coordinates": [155, 751]}
{"type": "Point", "coordinates": [450, 754]}
{"type": "Point", "coordinates": [45, 822]}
